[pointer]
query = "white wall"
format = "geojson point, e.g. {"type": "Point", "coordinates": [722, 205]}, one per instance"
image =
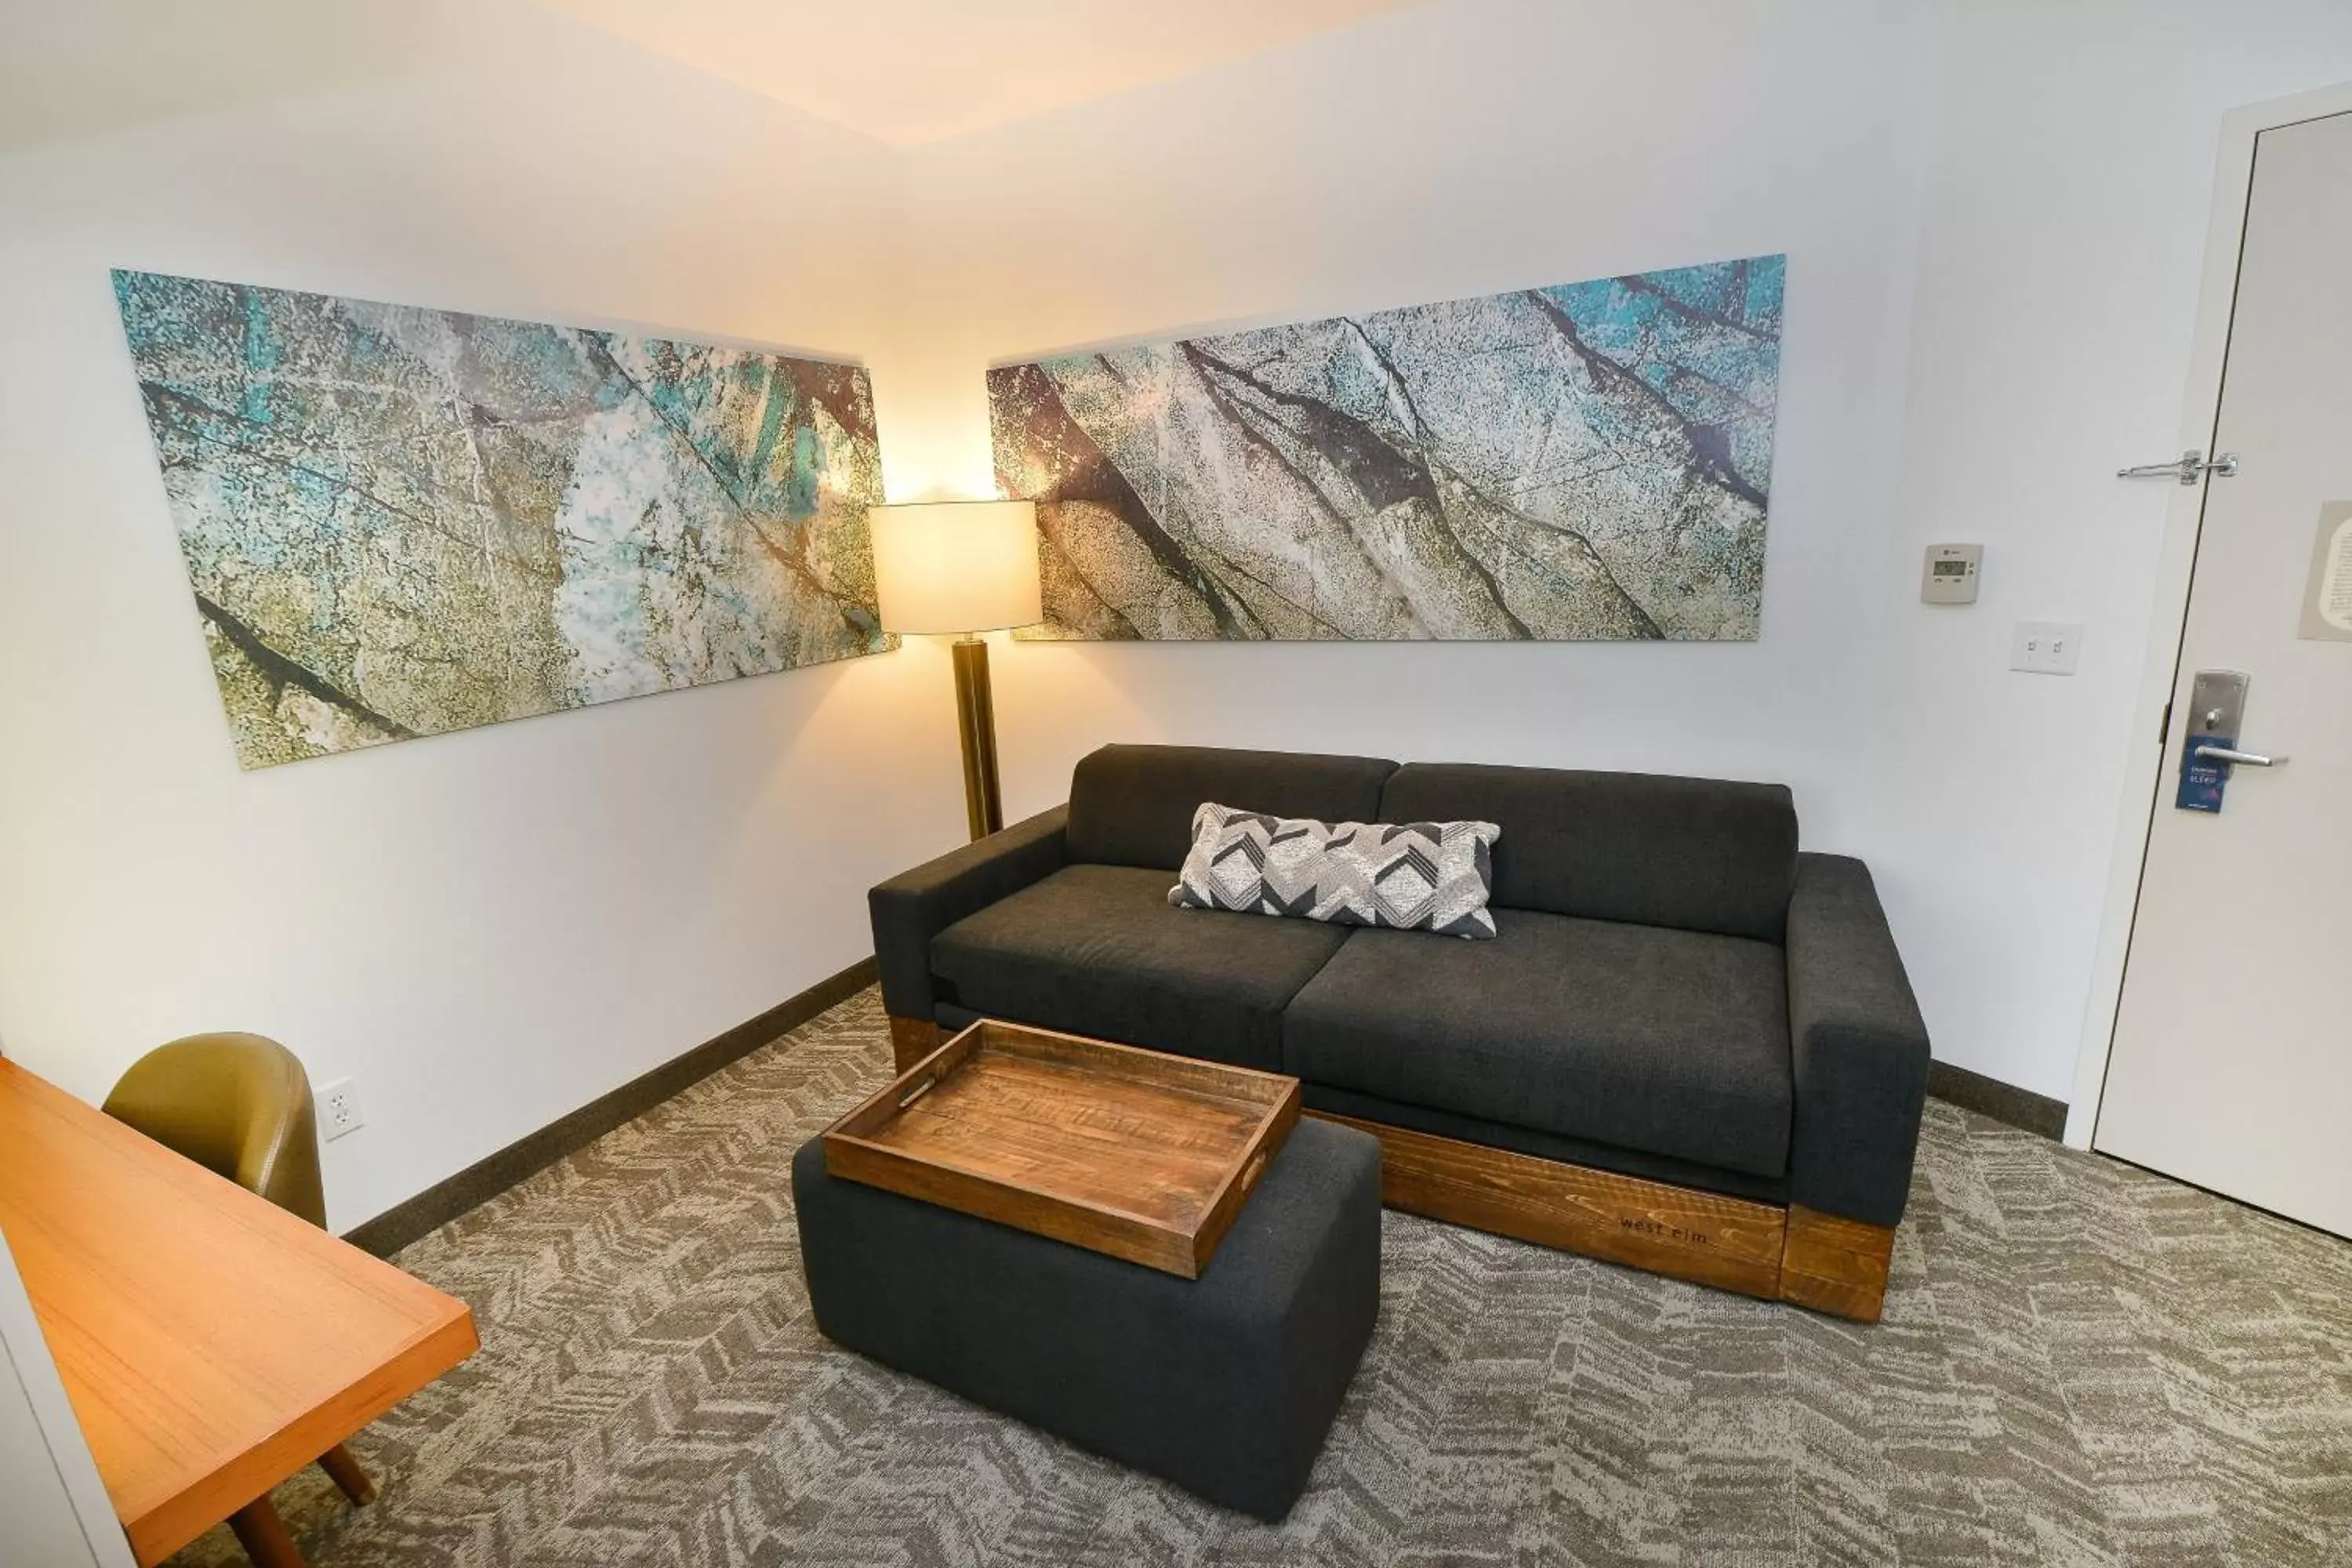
{"type": "Point", "coordinates": [1992, 214]}
{"type": "Point", "coordinates": [485, 929]}
{"type": "Point", "coordinates": [2064, 208]}
{"type": "Point", "coordinates": [1459, 150]}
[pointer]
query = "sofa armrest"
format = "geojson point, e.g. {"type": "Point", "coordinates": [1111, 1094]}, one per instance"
{"type": "Point", "coordinates": [913, 906]}
{"type": "Point", "coordinates": [1858, 1044]}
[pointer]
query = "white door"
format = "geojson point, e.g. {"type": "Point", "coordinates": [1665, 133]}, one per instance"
{"type": "Point", "coordinates": [2233, 1059]}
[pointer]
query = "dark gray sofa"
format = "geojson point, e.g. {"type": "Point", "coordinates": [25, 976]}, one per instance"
{"type": "Point", "coordinates": [1688, 1039]}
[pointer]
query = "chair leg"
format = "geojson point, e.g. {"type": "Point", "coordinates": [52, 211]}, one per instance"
{"type": "Point", "coordinates": [263, 1535]}
{"type": "Point", "coordinates": [346, 1473]}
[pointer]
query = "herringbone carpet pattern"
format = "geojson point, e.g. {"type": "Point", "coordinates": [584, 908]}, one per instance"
{"type": "Point", "coordinates": [2080, 1364]}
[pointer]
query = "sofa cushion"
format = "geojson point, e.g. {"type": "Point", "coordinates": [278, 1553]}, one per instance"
{"type": "Point", "coordinates": [1669, 1042]}
{"type": "Point", "coordinates": [1417, 876]}
{"type": "Point", "coordinates": [1097, 949]}
{"type": "Point", "coordinates": [1698, 854]}
{"type": "Point", "coordinates": [1132, 806]}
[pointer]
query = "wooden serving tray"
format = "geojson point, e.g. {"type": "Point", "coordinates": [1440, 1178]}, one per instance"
{"type": "Point", "coordinates": [1134, 1153]}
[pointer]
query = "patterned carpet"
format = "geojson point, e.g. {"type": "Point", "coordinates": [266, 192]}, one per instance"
{"type": "Point", "coordinates": [2080, 1364]}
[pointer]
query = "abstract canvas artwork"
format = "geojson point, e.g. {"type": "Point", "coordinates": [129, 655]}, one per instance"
{"type": "Point", "coordinates": [1580, 462]}
{"type": "Point", "coordinates": [402, 521]}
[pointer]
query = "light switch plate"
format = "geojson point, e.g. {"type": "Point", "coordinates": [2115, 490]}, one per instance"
{"type": "Point", "coordinates": [2045, 648]}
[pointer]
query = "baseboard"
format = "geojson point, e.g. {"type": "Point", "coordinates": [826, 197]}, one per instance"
{"type": "Point", "coordinates": [2002, 1102]}
{"type": "Point", "coordinates": [485, 1179]}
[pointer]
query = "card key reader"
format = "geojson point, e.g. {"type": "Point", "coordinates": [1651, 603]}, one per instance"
{"type": "Point", "coordinates": [2209, 751]}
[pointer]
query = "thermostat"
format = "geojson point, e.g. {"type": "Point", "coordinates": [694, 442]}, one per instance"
{"type": "Point", "coordinates": [1950, 576]}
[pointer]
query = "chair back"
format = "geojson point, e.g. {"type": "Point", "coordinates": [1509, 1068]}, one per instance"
{"type": "Point", "coordinates": [239, 1105]}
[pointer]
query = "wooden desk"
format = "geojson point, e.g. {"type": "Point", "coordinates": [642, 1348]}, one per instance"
{"type": "Point", "coordinates": [212, 1343]}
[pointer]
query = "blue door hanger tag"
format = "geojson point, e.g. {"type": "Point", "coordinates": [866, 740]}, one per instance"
{"type": "Point", "coordinates": [2202, 781]}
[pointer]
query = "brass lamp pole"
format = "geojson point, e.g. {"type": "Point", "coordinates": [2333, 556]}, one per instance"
{"type": "Point", "coordinates": [963, 567]}
{"type": "Point", "coordinates": [983, 800]}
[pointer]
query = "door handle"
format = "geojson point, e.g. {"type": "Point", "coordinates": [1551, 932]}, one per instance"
{"type": "Point", "coordinates": [2209, 751]}
{"type": "Point", "coordinates": [2236, 758]}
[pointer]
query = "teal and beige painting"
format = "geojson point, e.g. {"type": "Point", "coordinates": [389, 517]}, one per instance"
{"type": "Point", "coordinates": [1586, 461]}
{"type": "Point", "coordinates": [402, 521]}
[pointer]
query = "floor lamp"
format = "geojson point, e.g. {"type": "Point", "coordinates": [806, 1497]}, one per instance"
{"type": "Point", "coordinates": [962, 567]}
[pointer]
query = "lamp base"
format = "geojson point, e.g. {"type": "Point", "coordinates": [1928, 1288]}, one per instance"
{"type": "Point", "coordinates": [976, 722]}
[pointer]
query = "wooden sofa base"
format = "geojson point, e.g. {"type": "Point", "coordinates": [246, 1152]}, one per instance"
{"type": "Point", "coordinates": [1835, 1266]}
{"type": "Point", "coordinates": [912, 1039]}
{"type": "Point", "coordinates": [1793, 1254]}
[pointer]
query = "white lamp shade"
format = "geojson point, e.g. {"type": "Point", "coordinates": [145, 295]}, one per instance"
{"type": "Point", "coordinates": [956, 566]}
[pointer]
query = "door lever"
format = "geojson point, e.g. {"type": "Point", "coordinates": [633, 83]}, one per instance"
{"type": "Point", "coordinates": [2209, 751]}
{"type": "Point", "coordinates": [2236, 758]}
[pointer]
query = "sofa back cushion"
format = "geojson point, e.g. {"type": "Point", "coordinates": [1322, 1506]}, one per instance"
{"type": "Point", "coordinates": [1696, 854]}
{"type": "Point", "coordinates": [1132, 806]}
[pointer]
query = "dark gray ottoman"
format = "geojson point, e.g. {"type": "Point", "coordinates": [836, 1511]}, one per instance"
{"type": "Point", "coordinates": [1225, 1385]}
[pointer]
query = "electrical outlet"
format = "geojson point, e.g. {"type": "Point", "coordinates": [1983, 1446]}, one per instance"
{"type": "Point", "coordinates": [2045, 648]}
{"type": "Point", "coordinates": [339, 1109]}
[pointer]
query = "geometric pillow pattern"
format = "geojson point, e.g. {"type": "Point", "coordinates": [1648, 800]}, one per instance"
{"type": "Point", "coordinates": [1421, 876]}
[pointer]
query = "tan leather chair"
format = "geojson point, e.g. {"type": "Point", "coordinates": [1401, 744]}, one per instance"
{"type": "Point", "coordinates": [239, 1105]}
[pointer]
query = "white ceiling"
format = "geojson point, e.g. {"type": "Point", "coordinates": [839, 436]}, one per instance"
{"type": "Point", "coordinates": [71, 67]}
{"type": "Point", "coordinates": [915, 70]}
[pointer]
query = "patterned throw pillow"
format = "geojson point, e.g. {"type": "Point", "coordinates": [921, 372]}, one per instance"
{"type": "Point", "coordinates": [1421, 876]}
